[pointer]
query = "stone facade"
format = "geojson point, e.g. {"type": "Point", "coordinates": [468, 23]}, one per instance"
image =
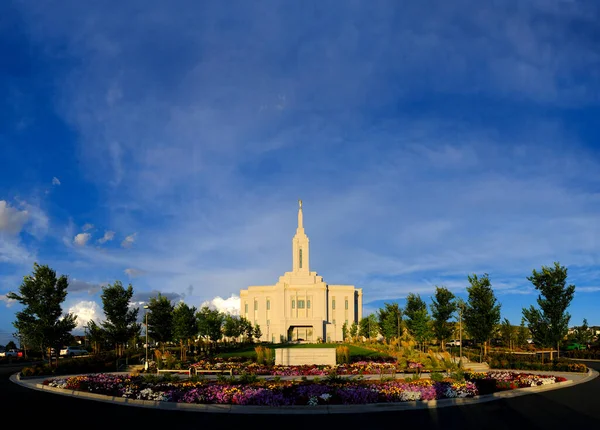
{"type": "Point", "coordinates": [301, 306]}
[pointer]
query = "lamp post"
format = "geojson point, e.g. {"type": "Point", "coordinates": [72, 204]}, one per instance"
{"type": "Point", "coordinates": [146, 362]}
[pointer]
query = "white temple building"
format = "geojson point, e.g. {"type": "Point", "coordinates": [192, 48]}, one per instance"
{"type": "Point", "coordinates": [301, 306]}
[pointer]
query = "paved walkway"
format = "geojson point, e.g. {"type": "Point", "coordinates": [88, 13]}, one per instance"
{"type": "Point", "coordinates": [572, 379]}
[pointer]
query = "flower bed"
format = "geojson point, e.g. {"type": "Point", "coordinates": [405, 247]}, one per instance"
{"type": "Point", "coordinates": [346, 391]}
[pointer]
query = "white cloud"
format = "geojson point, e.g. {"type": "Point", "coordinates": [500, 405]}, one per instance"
{"type": "Point", "coordinates": [81, 239]}
{"type": "Point", "coordinates": [87, 226]}
{"type": "Point", "coordinates": [128, 241]}
{"type": "Point", "coordinates": [12, 220]}
{"type": "Point", "coordinates": [7, 301]}
{"type": "Point", "coordinates": [133, 273]}
{"type": "Point", "coordinates": [86, 311]}
{"type": "Point", "coordinates": [55, 181]}
{"type": "Point", "coordinates": [229, 306]}
{"type": "Point", "coordinates": [108, 235]}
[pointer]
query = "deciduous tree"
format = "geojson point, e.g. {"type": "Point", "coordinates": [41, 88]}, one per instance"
{"type": "Point", "coordinates": [417, 318]}
{"type": "Point", "coordinates": [442, 309]}
{"type": "Point", "coordinates": [120, 324]}
{"type": "Point", "coordinates": [482, 313]}
{"type": "Point", "coordinates": [549, 323]}
{"type": "Point", "coordinates": [185, 327]}
{"type": "Point", "coordinates": [160, 319]}
{"type": "Point", "coordinates": [390, 321]}
{"type": "Point", "coordinates": [42, 320]}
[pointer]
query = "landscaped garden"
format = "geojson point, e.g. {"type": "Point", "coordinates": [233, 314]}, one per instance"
{"type": "Point", "coordinates": [325, 386]}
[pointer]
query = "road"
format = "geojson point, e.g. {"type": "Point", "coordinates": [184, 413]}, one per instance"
{"type": "Point", "coordinates": [577, 407]}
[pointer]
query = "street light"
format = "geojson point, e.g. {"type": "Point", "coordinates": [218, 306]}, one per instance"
{"type": "Point", "coordinates": [146, 362]}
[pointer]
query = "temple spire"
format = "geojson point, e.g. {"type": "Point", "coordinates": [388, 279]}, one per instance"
{"type": "Point", "coordinates": [300, 220]}
{"type": "Point", "coordinates": [300, 245]}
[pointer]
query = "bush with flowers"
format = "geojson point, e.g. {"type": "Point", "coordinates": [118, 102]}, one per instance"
{"type": "Point", "coordinates": [330, 390]}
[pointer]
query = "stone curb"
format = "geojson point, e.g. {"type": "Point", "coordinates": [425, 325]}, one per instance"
{"type": "Point", "coordinates": [320, 409]}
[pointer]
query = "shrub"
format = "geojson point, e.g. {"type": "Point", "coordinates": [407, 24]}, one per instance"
{"type": "Point", "coordinates": [342, 354]}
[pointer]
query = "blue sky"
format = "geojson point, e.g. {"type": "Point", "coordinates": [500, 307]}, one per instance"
{"type": "Point", "coordinates": [165, 144]}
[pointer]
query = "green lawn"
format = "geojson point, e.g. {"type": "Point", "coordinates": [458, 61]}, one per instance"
{"type": "Point", "coordinates": [248, 350]}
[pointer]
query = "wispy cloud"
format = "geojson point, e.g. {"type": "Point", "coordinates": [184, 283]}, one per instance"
{"type": "Point", "coordinates": [55, 181]}
{"type": "Point", "coordinates": [128, 241]}
{"type": "Point", "coordinates": [108, 236]}
{"type": "Point", "coordinates": [133, 273]}
{"type": "Point", "coordinates": [87, 226]}
{"type": "Point", "coordinates": [410, 177]}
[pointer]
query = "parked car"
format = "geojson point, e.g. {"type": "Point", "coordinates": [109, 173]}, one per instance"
{"type": "Point", "coordinates": [9, 353]}
{"type": "Point", "coordinates": [72, 351]}
{"type": "Point", "coordinates": [454, 342]}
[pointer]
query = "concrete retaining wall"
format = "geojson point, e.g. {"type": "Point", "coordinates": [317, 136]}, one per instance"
{"type": "Point", "coordinates": [302, 356]}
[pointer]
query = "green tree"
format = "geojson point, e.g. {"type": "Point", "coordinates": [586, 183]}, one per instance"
{"type": "Point", "coordinates": [369, 327]}
{"type": "Point", "coordinates": [257, 332]}
{"type": "Point", "coordinates": [522, 334]}
{"type": "Point", "coordinates": [120, 324]}
{"type": "Point", "coordinates": [390, 321]}
{"type": "Point", "coordinates": [10, 345]}
{"type": "Point", "coordinates": [345, 331]}
{"type": "Point", "coordinates": [583, 334]}
{"type": "Point", "coordinates": [482, 313]}
{"type": "Point", "coordinates": [353, 330]}
{"type": "Point", "coordinates": [417, 319]}
{"type": "Point", "coordinates": [96, 335]}
{"type": "Point", "coordinates": [210, 325]}
{"type": "Point", "coordinates": [443, 307]}
{"type": "Point", "coordinates": [160, 319]}
{"type": "Point", "coordinates": [507, 332]}
{"type": "Point", "coordinates": [185, 326]}
{"type": "Point", "coordinates": [41, 320]}
{"type": "Point", "coordinates": [550, 323]}
{"type": "Point", "coordinates": [232, 326]}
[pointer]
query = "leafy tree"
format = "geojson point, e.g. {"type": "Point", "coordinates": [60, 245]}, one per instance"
{"type": "Point", "coordinates": [582, 334]}
{"type": "Point", "coordinates": [160, 319]}
{"type": "Point", "coordinates": [482, 313]}
{"type": "Point", "coordinates": [390, 321]}
{"type": "Point", "coordinates": [507, 332]}
{"type": "Point", "coordinates": [210, 323]}
{"type": "Point", "coordinates": [41, 320]}
{"type": "Point", "coordinates": [120, 324]}
{"type": "Point", "coordinates": [550, 323]}
{"type": "Point", "coordinates": [353, 330]}
{"type": "Point", "coordinates": [369, 327]}
{"type": "Point", "coordinates": [345, 331]}
{"type": "Point", "coordinates": [522, 334]}
{"type": "Point", "coordinates": [11, 345]}
{"type": "Point", "coordinates": [257, 333]}
{"type": "Point", "coordinates": [232, 326]}
{"type": "Point", "coordinates": [185, 326]}
{"type": "Point", "coordinates": [96, 335]}
{"type": "Point", "coordinates": [442, 309]}
{"type": "Point", "coordinates": [417, 318]}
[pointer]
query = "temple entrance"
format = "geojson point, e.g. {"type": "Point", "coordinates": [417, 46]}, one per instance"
{"type": "Point", "coordinates": [300, 334]}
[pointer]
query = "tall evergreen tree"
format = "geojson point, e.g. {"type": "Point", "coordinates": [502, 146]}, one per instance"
{"type": "Point", "coordinates": [160, 319]}
{"type": "Point", "coordinates": [482, 313]}
{"type": "Point", "coordinates": [550, 323]}
{"type": "Point", "coordinates": [417, 318]}
{"type": "Point", "coordinates": [120, 324]}
{"type": "Point", "coordinates": [41, 320]}
{"type": "Point", "coordinates": [390, 321]}
{"type": "Point", "coordinates": [442, 309]}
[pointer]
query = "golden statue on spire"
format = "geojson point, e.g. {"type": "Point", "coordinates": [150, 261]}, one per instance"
{"type": "Point", "coordinates": [300, 204]}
